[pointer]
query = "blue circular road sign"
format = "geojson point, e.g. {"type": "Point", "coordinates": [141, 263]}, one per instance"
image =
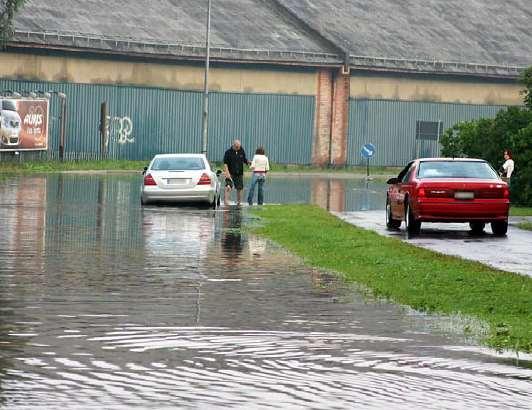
{"type": "Point", "coordinates": [368, 151]}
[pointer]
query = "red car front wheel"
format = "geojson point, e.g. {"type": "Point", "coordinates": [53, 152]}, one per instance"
{"type": "Point", "coordinates": [391, 223]}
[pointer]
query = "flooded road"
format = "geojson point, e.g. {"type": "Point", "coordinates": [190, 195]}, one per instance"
{"type": "Point", "coordinates": [104, 304]}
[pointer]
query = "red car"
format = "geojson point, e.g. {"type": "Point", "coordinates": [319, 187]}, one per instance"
{"type": "Point", "coordinates": [448, 190]}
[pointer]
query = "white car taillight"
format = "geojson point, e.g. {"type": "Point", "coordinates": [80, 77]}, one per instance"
{"type": "Point", "coordinates": [149, 181]}
{"type": "Point", "coordinates": [204, 180]}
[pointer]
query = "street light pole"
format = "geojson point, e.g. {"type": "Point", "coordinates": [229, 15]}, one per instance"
{"type": "Point", "coordinates": [206, 84]}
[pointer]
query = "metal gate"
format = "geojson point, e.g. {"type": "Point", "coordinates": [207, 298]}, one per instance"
{"type": "Point", "coordinates": [428, 135]}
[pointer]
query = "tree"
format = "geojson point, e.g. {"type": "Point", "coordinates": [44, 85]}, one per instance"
{"type": "Point", "coordinates": [487, 138]}
{"type": "Point", "coordinates": [8, 8]}
{"type": "Point", "coordinates": [526, 79]}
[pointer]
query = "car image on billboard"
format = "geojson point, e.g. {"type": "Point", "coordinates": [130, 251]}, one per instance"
{"type": "Point", "coordinates": [23, 124]}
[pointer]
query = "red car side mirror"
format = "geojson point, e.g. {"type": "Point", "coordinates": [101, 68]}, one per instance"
{"type": "Point", "coordinates": [393, 181]}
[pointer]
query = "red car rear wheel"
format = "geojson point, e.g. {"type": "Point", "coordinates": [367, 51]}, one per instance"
{"type": "Point", "coordinates": [499, 228]}
{"type": "Point", "coordinates": [477, 227]}
{"type": "Point", "coordinates": [413, 226]}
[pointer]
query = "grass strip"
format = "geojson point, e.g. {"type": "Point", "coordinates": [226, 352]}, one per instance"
{"type": "Point", "coordinates": [425, 280]}
{"type": "Point", "coordinates": [520, 211]}
{"type": "Point", "coordinates": [525, 225]}
{"type": "Point", "coordinates": [23, 167]}
{"type": "Point", "coordinates": [15, 167]}
{"type": "Point", "coordinates": [359, 170]}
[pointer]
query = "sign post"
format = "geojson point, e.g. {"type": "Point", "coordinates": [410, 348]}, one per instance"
{"type": "Point", "coordinates": [367, 152]}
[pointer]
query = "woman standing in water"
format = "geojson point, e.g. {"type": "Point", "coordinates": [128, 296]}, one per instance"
{"type": "Point", "coordinates": [260, 166]}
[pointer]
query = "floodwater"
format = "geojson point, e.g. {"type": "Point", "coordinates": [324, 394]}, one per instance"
{"type": "Point", "coordinates": [104, 304]}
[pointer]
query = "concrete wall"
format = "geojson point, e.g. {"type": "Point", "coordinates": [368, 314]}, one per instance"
{"type": "Point", "coordinates": [181, 77]}
{"type": "Point", "coordinates": [248, 80]}
{"type": "Point", "coordinates": [434, 89]}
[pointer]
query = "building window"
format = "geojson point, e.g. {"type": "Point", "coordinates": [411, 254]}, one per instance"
{"type": "Point", "coordinates": [429, 130]}
{"type": "Point", "coordinates": [428, 135]}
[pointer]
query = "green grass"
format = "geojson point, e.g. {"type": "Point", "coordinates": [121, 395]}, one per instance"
{"type": "Point", "coordinates": [360, 170]}
{"type": "Point", "coordinates": [58, 166]}
{"type": "Point", "coordinates": [520, 211]}
{"type": "Point", "coordinates": [425, 280]}
{"type": "Point", "coordinates": [302, 169]}
{"type": "Point", "coordinates": [114, 165]}
{"type": "Point", "coordinates": [525, 225]}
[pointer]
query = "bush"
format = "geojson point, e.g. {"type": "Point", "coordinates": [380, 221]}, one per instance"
{"type": "Point", "coordinates": [488, 138]}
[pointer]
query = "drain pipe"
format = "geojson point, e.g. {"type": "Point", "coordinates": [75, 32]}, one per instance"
{"type": "Point", "coordinates": [62, 130]}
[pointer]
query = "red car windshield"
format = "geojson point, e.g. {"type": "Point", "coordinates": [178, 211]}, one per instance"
{"type": "Point", "coordinates": [456, 169]}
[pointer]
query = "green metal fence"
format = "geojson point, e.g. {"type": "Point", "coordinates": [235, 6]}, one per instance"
{"type": "Point", "coordinates": [146, 121]}
{"type": "Point", "coordinates": [394, 127]}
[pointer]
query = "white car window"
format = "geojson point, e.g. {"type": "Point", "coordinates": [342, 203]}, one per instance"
{"type": "Point", "coordinates": [178, 164]}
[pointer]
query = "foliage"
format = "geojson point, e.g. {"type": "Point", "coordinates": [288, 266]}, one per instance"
{"type": "Point", "coordinates": [8, 8]}
{"type": "Point", "coordinates": [488, 138]}
{"type": "Point", "coordinates": [525, 225]}
{"type": "Point", "coordinates": [526, 79]}
{"type": "Point", "coordinates": [422, 279]}
{"type": "Point", "coordinates": [520, 211]}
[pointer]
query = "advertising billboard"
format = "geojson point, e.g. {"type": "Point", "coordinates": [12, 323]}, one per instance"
{"type": "Point", "coordinates": [23, 124]}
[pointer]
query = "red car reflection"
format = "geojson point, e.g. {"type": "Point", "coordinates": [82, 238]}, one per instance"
{"type": "Point", "coordinates": [448, 190]}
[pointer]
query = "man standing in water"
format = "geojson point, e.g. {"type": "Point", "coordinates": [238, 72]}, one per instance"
{"type": "Point", "coordinates": [234, 160]}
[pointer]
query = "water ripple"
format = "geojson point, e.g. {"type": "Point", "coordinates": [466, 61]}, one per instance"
{"type": "Point", "coordinates": [107, 305]}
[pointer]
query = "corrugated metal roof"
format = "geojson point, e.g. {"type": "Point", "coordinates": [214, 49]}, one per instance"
{"type": "Point", "coordinates": [238, 24]}
{"type": "Point", "coordinates": [474, 31]}
{"type": "Point", "coordinates": [479, 37]}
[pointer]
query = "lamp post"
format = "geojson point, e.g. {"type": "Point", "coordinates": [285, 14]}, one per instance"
{"type": "Point", "coordinates": [205, 128]}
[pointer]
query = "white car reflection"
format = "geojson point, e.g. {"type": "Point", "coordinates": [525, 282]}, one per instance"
{"type": "Point", "coordinates": [186, 234]}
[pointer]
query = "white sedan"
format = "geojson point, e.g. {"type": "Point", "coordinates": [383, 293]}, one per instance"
{"type": "Point", "coordinates": [181, 178]}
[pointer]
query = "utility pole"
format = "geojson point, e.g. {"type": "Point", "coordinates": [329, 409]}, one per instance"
{"type": "Point", "coordinates": [62, 96]}
{"type": "Point", "coordinates": [205, 128]}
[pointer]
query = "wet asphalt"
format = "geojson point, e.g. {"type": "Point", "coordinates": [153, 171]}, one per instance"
{"type": "Point", "coordinates": [105, 304]}
{"type": "Point", "coordinates": [512, 253]}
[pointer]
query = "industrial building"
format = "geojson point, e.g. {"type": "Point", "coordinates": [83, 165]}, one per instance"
{"type": "Point", "coordinates": [311, 80]}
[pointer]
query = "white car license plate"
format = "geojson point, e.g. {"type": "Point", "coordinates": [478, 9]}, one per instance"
{"type": "Point", "coordinates": [464, 195]}
{"type": "Point", "coordinates": [177, 181]}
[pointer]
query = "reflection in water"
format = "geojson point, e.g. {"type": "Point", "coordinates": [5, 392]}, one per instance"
{"type": "Point", "coordinates": [329, 194]}
{"type": "Point", "coordinates": [22, 246]}
{"type": "Point", "coordinates": [106, 304]}
{"type": "Point", "coordinates": [334, 194]}
{"type": "Point", "coordinates": [231, 233]}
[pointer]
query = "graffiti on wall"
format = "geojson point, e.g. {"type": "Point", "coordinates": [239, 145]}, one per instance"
{"type": "Point", "coordinates": [120, 130]}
